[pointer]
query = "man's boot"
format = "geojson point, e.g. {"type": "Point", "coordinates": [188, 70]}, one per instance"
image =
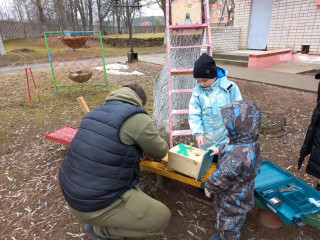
{"type": "Point", "coordinates": [88, 229]}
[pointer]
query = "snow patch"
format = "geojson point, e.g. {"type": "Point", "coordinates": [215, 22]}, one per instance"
{"type": "Point", "coordinates": [113, 69]}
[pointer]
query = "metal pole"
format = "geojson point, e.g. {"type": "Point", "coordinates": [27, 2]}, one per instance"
{"type": "Point", "coordinates": [130, 29]}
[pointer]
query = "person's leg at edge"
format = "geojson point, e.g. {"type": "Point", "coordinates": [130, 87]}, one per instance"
{"type": "Point", "coordinates": [318, 185]}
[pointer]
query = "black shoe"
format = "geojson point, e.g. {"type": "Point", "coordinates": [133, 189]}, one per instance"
{"type": "Point", "coordinates": [317, 186]}
{"type": "Point", "coordinates": [88, 229]}
{"type": "Point", "coordinates": [143, 188]}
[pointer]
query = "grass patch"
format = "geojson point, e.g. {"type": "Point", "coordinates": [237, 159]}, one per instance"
{"type": "Point", "coordinates": [21, 118]}
{"type": "Point", "coordinates": [34, 50]}
{"type": "Point", "coordinates": [137, 35]}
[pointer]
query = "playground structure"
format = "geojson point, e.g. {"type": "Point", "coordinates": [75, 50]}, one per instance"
{"type": "Point", "coordinates": [184, 18]}
{"type": "Point", "coordinates": [75, 57]}
{"type": "Point", "coordinates": [162, 168]}
{"type": "Point", "coordinates": [34, 83]}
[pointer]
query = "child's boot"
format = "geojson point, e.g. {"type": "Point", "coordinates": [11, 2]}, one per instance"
{"type": "Point", "coordinates": [215, 237]}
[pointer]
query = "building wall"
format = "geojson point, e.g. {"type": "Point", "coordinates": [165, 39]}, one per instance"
{"type": "Point", "coordinates": [224, 39]}
{"type": "Point", "coordinates": [293, 23]}
{"type": "Point", "coordinates": [215, 16]}
{"type": "Point", "coordinates": [241, 18]}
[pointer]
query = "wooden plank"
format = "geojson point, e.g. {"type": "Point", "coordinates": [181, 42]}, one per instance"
{"type": "Point", "coordinates": [63, 135]}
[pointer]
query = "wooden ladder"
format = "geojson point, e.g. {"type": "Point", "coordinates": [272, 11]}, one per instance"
{"type": "Point", "coordinates": [183, 71]}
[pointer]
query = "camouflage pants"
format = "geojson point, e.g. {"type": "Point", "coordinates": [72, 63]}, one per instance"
{"type": "Point", "coordinates": [228, 226]}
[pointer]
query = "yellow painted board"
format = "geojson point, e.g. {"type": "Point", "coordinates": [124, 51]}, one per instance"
{"type": "Point", "coordinates": [162, 169]}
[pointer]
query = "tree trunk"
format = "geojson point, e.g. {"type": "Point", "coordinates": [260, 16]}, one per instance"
{"type": "Point", "coordinates": [80, 7]}
{"type": "Point", "coordinates": [180, 58]}
{"type": "Point", "coordinates": [41, 14]}
{"type": "Point", "coordinates": [18, 7]}
{"type": "Point", "coordinates": [90, 15]}
{"type": "Point", "coordinates": [2, 50]}
{"type": "Point", "coordinates": [71, 16]}
{"type": "Point", "coordinates": [63, 14]}
{"type": "Point", "coordinates": [103, 10]}
{"type": "Point", "coordinates": [118, 20]}
{"type": "Point", "coordinates": [77, 27]}
{"type": "Point", "coordinates": [27, 11]}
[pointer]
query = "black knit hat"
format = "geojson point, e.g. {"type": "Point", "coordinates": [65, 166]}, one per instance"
{"type": "Point", "coordinates": [205, 67]}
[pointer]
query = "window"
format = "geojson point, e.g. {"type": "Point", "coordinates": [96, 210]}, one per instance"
{"type": "Point", "coordinates": [220, 10]}
{"type": "Point", "coordinates": [220, 19]}
{"type": "Point", "coordinates": [221, 1]}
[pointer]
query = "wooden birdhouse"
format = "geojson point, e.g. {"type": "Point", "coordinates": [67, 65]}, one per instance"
{"type": "Point", "coordinates": [189, 160]}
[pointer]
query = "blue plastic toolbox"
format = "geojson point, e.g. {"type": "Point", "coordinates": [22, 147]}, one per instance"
{"type": "Point", "coordinates": [286, 195]}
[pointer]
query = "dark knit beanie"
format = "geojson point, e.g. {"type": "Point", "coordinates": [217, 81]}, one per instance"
{"type": "Point", "coordinates": [205, 67]}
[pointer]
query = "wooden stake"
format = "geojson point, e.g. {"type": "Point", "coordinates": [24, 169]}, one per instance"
{"type": "Point", "coordinates": [83, 105]}
{"type": "Point", "coordinates": [190, 147]}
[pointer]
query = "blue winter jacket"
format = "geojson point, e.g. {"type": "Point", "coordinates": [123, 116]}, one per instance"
{"type": "Point", "coordinates": [204, 108]}
{"type": "Point", "coordinates": [98, 167]}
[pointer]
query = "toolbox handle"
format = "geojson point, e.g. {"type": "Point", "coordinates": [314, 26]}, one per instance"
{"type": "Point", "coordinates": [299, 222]}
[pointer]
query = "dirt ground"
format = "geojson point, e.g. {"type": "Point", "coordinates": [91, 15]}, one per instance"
{"type": "Point", "coordinates": [31, 203]}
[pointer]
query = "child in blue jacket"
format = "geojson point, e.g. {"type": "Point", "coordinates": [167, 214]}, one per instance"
{"type": "Point", "coordinates": [212, 91]}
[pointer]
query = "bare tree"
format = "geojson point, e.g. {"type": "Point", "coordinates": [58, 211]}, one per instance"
{"type": "Point", "coordinates": [230, 5]}
{"type": "Point", "coordinates": [80, 7]}
{"type": "Point", "coordinates": [2, 50]}
{"type": "Point", "coordinates": [162, 5]}
{"type": "Point", "coordinates": [19, 10]}
{"type": "Point", "coordinates": [26, 9]}
{"type": "Point", "coordinates": [90, 14]}
{"type": "Point", "coordinates": [1, 14]}
{"type": "Point", "coordinates": [63, 15]}
{"type": "Point", "coordinates": [104, 7]}
{"type": "Point", "coordinates": [73, 14]}
{"type": "Point", "coordinates": [39, 6]}
{"type": "Point", "coordinates": [5, 11]}
{"type": "Point", "coordinates": [119, 13]}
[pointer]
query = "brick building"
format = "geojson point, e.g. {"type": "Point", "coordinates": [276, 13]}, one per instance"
{"type": "Point", "coordinates": [275, 24]}
{"type": "Point", "coordinates": [216, 13]}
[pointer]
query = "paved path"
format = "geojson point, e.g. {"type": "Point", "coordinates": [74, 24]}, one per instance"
{"type": "Point", "coordinates": [282, 79]}
{"type": "Point", "coordinates": [284, 74]}
{"type": "Point", "coordinates": [46, 66]}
